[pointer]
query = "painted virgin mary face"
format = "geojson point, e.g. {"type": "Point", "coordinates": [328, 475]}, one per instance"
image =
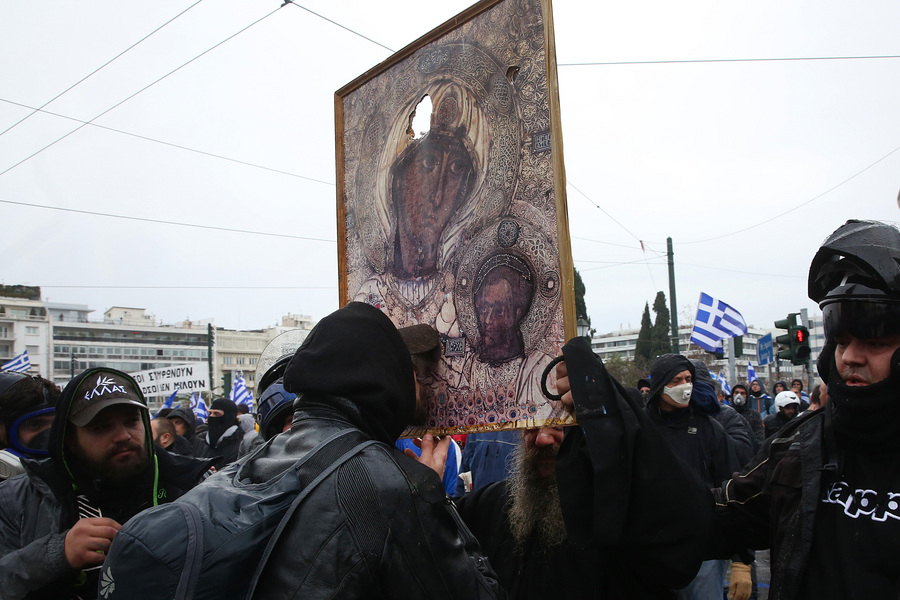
{"type": "Point", "coordinates": [430, 183]}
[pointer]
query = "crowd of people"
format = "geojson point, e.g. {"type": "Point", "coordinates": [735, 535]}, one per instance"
{"type": "Point", "coordinates": [662, 490]}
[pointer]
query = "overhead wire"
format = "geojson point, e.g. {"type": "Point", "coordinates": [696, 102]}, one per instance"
{"type": "Point", "coordinates": [614, 220]}
{"type": "Point", "coordinates": [799, 206]}
{"type": "Point", "coordinates": [179, 146]}
{"type": "Point", "coordinates": [98, 69]}
{"type": "Point", "coordinates": [143, 89]}
{"type": "Point", "coordinates": [345, 28]}
{"type": "Point", "coordinates": [164, 222]}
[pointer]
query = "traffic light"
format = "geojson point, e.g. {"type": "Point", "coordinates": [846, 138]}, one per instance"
{"type": "Point", "coordinates": [794, 345]}
{"type": "Point", "coordinates": [800, 345]}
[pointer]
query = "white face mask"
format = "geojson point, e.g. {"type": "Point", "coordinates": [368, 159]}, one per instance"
{"type": "Point", "coordinates": [680, 394]}
{"type": "Point", "coordinates": [738, 399]}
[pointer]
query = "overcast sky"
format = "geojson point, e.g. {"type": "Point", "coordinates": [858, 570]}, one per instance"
{"type": "Point", "coordinates": [747, 165]}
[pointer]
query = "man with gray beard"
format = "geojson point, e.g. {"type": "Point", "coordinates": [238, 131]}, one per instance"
{"type": "Point", "coordinates": [519, 524]}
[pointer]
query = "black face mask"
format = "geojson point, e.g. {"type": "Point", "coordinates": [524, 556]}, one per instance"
{"type": "Point", "coordinates": [217, 426]}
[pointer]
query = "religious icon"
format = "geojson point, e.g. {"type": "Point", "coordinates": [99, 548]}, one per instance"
{"type": "Point", "coordinates": [463, 227]}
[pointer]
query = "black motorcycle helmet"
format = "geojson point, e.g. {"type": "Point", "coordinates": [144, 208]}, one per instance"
{"type": "Point", "coordinates": [274, 401]}
{"type": "Point", "coordinates": [273, 406]}
{"type": "Point", "coordinates": [855, 278]}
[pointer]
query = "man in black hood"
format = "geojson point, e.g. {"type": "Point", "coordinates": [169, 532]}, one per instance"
{"type": "Point", "coordinates": [696, 438]}
{"type": "Point", "coordinates": [223, 438]}
{"type": "Point", "coordinates": [739, 399]}
{"type": "Point", "coordinates": [186, 442]}
{"type": "Point", "coordinates": [58, 519]}
{"type": "Point", "coordinates": [378, 527]}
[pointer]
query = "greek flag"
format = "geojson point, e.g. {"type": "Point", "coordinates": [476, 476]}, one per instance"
{"type": "Point", "coordinates": [198, 406]}
{"type": "Point", "coordinates": [715, 321]}
{"type": "Point", "coordinates": [19, 364]}
{"type": "Point", "coordinates": [751, 373]}
{"type": "Point", "coordinates": [723, 381]}
{"type": "Point", "coordinates": [240, 394]}
{"type": "Point", "coordinates": [167, 403]}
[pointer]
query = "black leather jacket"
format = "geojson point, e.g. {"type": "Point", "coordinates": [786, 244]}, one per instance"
{"type": "Point", "coordinates": [772, 502]}
{"type": "Point", "coordinates": [381, 526]}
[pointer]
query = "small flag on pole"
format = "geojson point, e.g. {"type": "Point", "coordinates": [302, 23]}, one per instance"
{"type": "Point", "coordinates": [240, 394]}
{"type": "Point", "coordinates": [198, 406]}
{"type": "Point", "coordinates": [19, 364]}
{"type": "Point", "coordinates": [751, 372]}
{"type": "Point", "coordinates": [723, 381]}
{"type": "Point", "coordinates": [167, 403]}
{"type": "Point", "coordinates": [715, 321]}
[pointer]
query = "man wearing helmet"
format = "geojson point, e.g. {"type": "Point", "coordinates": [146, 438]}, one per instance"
{"type": "Point", "coordinates": [823, 493]}
{"type": "Point", "coordinates": [787, 405]}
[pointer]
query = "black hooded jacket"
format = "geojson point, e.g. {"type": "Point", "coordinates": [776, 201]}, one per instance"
{"type": "Point", "coordinates": [39, 507]}
{"type": "Point", "coordinates": [381, 525]}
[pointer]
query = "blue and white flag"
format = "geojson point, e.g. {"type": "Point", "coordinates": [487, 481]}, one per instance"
{"type": "Point", "coordinates": [167, 403]}
{"type": "Point", "coordinates": [19, 364]}
{"type": "Point", "coordinates": [723, 381]}
{"type": "Point", "coordinates": [240, 394]}
{"type": "Point", "coordinates": [715, 321]}
{"type": "Point", "coordinates": [198, 406]}
{"type": "Point", "coordinates": [751, 373]}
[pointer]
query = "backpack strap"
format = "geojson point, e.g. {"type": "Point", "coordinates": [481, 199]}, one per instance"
{"type": "Point", "coordinates": [321, 462]}
{"type": "Point", "coordinates": [193, 555]}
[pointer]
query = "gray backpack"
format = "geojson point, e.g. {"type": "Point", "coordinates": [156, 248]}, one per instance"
{"type": "Point", "coordinates": [214, 541]}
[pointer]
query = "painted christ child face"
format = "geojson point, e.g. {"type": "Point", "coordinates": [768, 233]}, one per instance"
{"type": "Point", "coordinates": [430, 182]}
{"type": "Point", "coordinates": [501, 303]}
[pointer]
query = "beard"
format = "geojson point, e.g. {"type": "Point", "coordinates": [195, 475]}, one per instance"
{"type": "Point", "coordinates": [110, 471]}
{"type": "Point", "coordinates": [534, 508]}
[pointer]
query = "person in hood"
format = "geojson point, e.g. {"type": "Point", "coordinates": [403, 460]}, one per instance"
{"type": "Point", "coordinates": [224, 435]}
{"type": "Point", "coordinates": [696, 438]}
{"type": "Point", "coordinates": [643, 386]}
{"type": "Point", "coordinates": [58, 519]}
{"type": "Point", "coordinates": [759, 400]}
{"type": "Point", "coordinates": [797, 388]}
{"type": "Point", "coordinates": [780, 386]}
{"type": "Point", "coordinates": [378, 527]}
{"type": "Point", "coordinates": [739, 399]}
{"type": "Point", "coordinates": [186, 443]}
{"type": "Point", "coordinates": [27, 405]}
{"type": "Point", "coordinates": [822, 494]}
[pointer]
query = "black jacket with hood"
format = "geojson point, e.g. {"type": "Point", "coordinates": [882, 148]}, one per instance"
{"type": "Point", "coordinates": [380, 526]}
{"type": "Point", "coordinates": [39, 507]}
